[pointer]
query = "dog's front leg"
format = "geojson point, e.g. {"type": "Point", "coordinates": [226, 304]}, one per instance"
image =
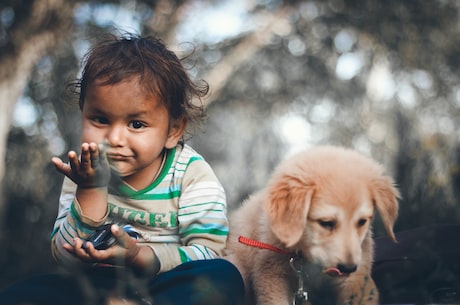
{"type": "Point", "coordinates": [358, 290]}
{"type": "Point", "coordinates": [272, 290]}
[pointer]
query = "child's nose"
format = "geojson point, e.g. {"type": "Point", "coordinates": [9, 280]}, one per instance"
{"type": "Point", "coordinates": [116, 136]}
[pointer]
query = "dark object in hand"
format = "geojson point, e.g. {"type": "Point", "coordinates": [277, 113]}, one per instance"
{"type": "Point", "coordinates": [102, 238]}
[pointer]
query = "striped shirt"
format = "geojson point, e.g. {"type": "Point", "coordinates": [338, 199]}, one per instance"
{"type": "Point", "coordinates": [182, 215]}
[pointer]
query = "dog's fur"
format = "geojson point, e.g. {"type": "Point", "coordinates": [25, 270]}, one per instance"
{"type": "Point", "coordinates": [319, 204]}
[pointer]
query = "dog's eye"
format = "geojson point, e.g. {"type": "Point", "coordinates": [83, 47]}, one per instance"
{"type": "Point", "coordinates": [362, 222]}
{"type": "Point", "coordinates": [327, 224]}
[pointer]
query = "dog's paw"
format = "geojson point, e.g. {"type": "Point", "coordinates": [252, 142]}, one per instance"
{"type": "Point", "coordinates": [359, 291]}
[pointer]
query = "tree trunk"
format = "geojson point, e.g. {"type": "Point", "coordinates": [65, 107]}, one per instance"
{"type": "Point", "coordinates": [32, 35]}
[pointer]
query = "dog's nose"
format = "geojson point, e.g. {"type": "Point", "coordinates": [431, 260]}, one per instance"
{"type": "Point", "coordinates": [347, 268]}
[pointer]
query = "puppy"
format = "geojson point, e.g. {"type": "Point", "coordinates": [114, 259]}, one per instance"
{"type": "Point", "coordinates": [306, 238]}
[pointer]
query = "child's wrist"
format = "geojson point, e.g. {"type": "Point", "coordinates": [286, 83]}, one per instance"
{"type": "Point", "coordinates": [93, 201]}
{"type": "Point", "coordinates": [145, 262]}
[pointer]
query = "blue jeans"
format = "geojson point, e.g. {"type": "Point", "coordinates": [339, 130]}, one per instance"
{"type": "Point", "coordinates": [194, 283]}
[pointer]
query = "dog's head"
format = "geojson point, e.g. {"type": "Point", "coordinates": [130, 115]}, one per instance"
{"type": "Point", "coordinates": [322, 202]}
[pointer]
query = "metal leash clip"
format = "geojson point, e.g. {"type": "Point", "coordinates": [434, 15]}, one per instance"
{"type": "Point", "coordinates": [300, 296]}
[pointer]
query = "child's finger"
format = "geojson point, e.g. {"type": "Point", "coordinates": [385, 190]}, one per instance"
{"type": "Point", "coordinates": [92, 252]}
{"type": "Point", "coordinates": [118, 233]}
{"type": "Point", "coordinates": [77, 243]}
{"type": "Point", "coordinates": [102, 150]}
{"type": "Point", "coordinates": [85, 156]}
{"type": "Point", "coordinates": [84, 254]}
{"type": "Point", "coordinates": [94, 155]}
{"type": "Point", "coordinates": [73, 159]}
{"type": "Point", "coordinates": [61, 166]}
{"type": "Point", "coordinates": [77, 250]}
{"type": "Point", "coordinates": [68, 248]}
{"type": "Point", "coordinates": [123, 238]}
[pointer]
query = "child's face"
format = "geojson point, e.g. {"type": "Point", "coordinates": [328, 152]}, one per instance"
{"type": "Point", "coordinates": [135, 126]}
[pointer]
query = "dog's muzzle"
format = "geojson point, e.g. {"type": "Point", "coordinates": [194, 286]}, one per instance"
{"type": "Point", "coordinates": [341, 270]}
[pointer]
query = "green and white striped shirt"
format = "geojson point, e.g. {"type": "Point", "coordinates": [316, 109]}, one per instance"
{"type": "Point", "coordinates": [182, 215]}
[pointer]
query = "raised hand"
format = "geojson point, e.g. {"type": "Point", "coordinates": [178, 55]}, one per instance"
{"type": "Point", "coordinates": [91, 170]}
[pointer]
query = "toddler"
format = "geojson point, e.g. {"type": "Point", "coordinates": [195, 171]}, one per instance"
{"type": "Point", "coordinates": [162, 205]}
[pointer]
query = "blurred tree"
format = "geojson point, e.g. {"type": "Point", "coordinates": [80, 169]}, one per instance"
{"type": "Point", "coordinates": [349, 68]}
{"type": "Point", "coordinates": [34, 30]}
{"type": "Point", "coordinates": [29, 29]}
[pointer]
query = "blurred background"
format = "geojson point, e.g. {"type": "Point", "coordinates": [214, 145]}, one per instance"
{"type": "Point", "coordinates": [381, 77]}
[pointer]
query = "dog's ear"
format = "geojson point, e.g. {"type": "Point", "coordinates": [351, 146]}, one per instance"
{"type": "Point", "coordinates": [287, 203]}
{"type": "Point", "coordinates": [385, 197]}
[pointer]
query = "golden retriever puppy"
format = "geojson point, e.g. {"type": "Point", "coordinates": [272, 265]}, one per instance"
{"type": "Point", "coordinates": [306, 238]}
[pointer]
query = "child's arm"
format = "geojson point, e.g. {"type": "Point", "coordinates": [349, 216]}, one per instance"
{"type": "Point", "coordinates": [83, 208]}
{"type": "Point", "coordinates": [70, 223]}
{"type": "Point", "coordinates": [91, 174]}
{"type": "Point", "coordinates": [67, 248]}
{"type": "Point", "coordinates": [83, 203]}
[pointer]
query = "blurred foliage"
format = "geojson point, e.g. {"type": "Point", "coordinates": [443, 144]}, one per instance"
{"type": "Point", "coordinates": [378, 76]}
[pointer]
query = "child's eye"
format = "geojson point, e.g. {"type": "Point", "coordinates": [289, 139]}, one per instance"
{"type": "Point", "coordinates": [136, 124]}
{"type": "Point", "coordinates": [101, 120]}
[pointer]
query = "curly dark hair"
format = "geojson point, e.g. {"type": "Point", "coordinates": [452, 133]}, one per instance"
{"type": "Point", "coordinates": [160, 73]}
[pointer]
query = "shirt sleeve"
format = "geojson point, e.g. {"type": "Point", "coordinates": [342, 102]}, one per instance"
{"type": "Point", "coordinates": [70, 223]}
{"type": "Point", "coordinates": [202, 216]}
